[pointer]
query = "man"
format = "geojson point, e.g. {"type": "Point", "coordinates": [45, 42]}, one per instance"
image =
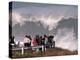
{"type": "Point", "coordinates": [12, 42]}
{"type": "Point", "coordinates": [50, 40]}
{"type": "Point", "coordinates": [45, 41]}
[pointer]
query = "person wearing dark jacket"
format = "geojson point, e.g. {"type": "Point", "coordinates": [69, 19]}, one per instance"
{"type": "Point", "coordinates": [50, 40]}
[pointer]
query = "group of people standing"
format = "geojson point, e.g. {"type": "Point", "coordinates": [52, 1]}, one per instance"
{"type": "Point", "coordinates": [39, 40]}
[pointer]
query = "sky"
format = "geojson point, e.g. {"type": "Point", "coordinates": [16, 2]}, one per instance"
{"type": "Point", "coordinates": [36, 18]}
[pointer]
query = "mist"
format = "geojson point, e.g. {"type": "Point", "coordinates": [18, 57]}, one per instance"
{"type": "Point", "coordinates": [65, 38]}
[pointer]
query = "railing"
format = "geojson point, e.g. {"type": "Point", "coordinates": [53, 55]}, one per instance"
{"type": "Point", "coordinates": [23, 48]}
{"type": "Point", "coordinates": [32, 47]}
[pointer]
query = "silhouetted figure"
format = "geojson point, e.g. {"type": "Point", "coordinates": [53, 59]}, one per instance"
{"type": "Point", "coordinates": [45, 42]}
{"type": "Point", "coordinates": [40, 40]}
{"type": "Point", "coordinates": [12, 40]}
{"type": "Point", "coordinates": [50, 40]}
{"type": "Point", "coordinates": [37, 39]}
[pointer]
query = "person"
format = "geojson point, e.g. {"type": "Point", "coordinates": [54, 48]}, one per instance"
{"type": "Point", "coordinates": [45, 42]}
{"type": "Point", "coordinates": [50, 40]}
{"type": "Point", "coordinates": [37, 39]}
{"type": "Point", "coordinates": [12, 42]}
{"type": "Point", "coordinates": [40, 40]}
{"type": "Point", "coordinates": [27, 41]}
{"type": "Point", "coordinates": [34, 43]}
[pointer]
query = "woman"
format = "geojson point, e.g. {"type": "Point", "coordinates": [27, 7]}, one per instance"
{"type": "Point", "coordinates": [34, 43]}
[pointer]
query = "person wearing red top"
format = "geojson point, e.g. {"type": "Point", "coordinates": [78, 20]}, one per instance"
{"type": "Point", "coordinates": [33, 42]}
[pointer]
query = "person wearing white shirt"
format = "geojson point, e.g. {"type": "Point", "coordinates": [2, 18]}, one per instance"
{"type": "Point", "coordinates": [27, 41]}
